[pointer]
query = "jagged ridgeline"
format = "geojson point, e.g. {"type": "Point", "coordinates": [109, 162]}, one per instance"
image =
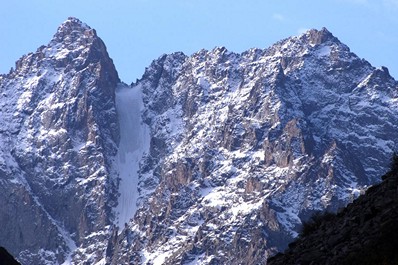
{"type": "Point", "coordinates": [213, 158]}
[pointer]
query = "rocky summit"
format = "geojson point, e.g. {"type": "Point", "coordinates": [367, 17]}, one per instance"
{"type": "Point", "coordinates": [59, 134]}
{"type": "Point", "coordinates": [213, 158]}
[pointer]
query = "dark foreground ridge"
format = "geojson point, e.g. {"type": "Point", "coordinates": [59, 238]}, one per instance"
{"type": "Point", "coordinates": [6, 258]}
{"type": "Point", "coordinates": [365, 232]}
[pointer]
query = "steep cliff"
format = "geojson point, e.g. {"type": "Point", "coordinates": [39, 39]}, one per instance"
{"type": "Point", "coordinates": [59, 133]}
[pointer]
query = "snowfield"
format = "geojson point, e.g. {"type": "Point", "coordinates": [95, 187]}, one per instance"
{"type": "Point", "coordinates": [134, 143]}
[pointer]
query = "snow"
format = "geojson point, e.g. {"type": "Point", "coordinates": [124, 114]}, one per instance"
{"type": "Point", "coordinates": [197, 260]}
{"type": "Point", "coordinates": [24, 99]}
{"type": "Point", "coordinates": [324, 51]}
{"type": "Point", "coordinates": [134, 143]}
{"type": "Point", "coordinates": [244, 208]}
{"type": "Point", "coordinates": [157, 258]}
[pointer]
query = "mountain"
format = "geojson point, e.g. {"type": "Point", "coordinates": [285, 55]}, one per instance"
{"type": "Point", "coordinates": [245, 146]}
{"type": "Point", "coordinates": [213, 158]}
{"type": "Point", "coordinates": [365, 232]}
{"type": "Point", "coordinates": [59, 134]}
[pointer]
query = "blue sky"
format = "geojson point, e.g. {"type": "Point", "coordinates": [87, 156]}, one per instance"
{"type": "Point", "coordinates": [139, 31]}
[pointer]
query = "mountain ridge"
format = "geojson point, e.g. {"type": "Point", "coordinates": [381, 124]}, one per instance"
{"type": "Point", "coordinates": [242, 148]}
{"type": "Point", "coordinates": [209, 78]}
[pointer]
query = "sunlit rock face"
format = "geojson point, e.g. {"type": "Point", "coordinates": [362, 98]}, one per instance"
{"type": "Point", "coordinates": [59, 133]}
{"type": "Point", "coordinates": [246, 146]}
{"type": "Point", "coordinates": [214, 158]}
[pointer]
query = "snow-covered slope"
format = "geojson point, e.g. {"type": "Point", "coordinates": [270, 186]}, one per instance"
{"type": "Point", "coordinates": [213, 158]}
{"type": "Point", "coordinates": [245, 146]}
{"type": "Point", "coordinates": [59, 133]}
{"type": "Point", "coordinates": [134, 143]}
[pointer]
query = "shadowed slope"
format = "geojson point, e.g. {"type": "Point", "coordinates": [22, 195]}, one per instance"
{"type": "Point", "coordinates": [365, 232]}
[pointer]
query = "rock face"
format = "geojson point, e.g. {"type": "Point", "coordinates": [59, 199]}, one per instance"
{"type": "Point", "coordinates": [59, 132]}
{"type": "Point", "coordinates": [239, 148]}
{"type": "Point", "coordinates": [245, 146]}
{"type": "Point", "coordinates": [365, 232]}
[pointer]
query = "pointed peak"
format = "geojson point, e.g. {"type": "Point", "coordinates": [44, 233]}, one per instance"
{"type": "Point", "coordinates": [315, 36]}
{"type": "Point", "coordinates": [73, 28]}
{"type": "Point", "coordinates": [219, 49]}
{"type": "Point", "coordinates": [385, 70]}
{"type": "Point", "coordinates": [382, 73]}
{"type": "Point", "coordinates": [74, 23]}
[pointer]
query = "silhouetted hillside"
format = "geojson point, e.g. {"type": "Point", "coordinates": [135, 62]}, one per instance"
{"type": "Point", "coordinates": [365, 232]}
{"type": "Point", "coordinates": [6, 258]}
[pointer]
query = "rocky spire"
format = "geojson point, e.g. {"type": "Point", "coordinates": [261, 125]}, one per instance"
{"type": "Point", "coordinates": [74, 45]}
{"type": "Point", "coordinates": [76, 41]}
{"type": "Point", "coordinates": [66, 87]}
{"type": "Point", "coordinates": [73, 29]}
{"type": "Point", "coordinates": [323, 35]}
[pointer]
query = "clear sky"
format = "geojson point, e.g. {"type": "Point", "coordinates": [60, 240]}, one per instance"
{"type": "Point", "coordinates": [139, 31]}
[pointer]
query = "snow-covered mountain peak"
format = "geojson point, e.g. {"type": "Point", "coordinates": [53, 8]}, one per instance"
{"type": "Point", "coordinates": [74, 47]}
{"type": "Point", "coordinates": [59, 135]}
{"type": "Point", "coordinates": [73, 27]}
{"type": "Point", "coordinates": [72, 38]}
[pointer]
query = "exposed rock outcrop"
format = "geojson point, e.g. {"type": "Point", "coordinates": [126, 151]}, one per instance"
{"type": "Point", "coordinates": [59, 133]}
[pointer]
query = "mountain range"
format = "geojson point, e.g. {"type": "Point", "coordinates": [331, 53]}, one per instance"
{"type": "Point", "coordinates": [213, 158]}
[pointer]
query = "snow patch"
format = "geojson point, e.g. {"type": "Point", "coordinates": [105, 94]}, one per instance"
{"type": "Point", "coordinates": [134, 143]}
{"type": "Point", "coordinates": [324, 51]}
